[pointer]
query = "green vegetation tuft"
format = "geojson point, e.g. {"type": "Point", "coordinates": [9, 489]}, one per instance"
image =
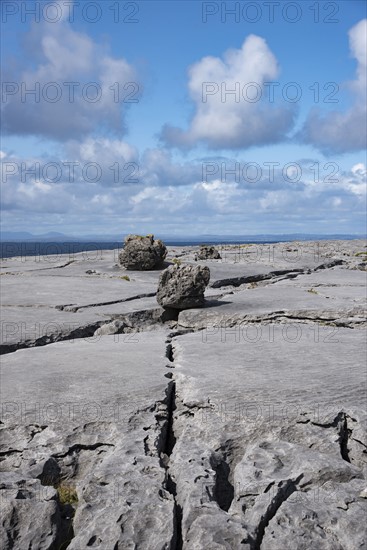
{"type": "Point", "coordinates": [141, 237]}
{"type": "Point", "coordinates": [125, 277]}
{"type": "Point", "coordinates": [67, 493]}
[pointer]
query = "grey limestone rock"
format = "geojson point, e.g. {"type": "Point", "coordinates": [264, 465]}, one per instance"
{"type": "Point", "coordinates": [114, 327]}
{"type": "Point", "coordinates": [142, 253]}
{"type": "Point", "coordinates": [183, 287]}
{"type": "Point", "coordinates": [208, 252]}
{"type": "Point", "coordinates": [31, 516]}
{"type": "Point", "coordinates": [240, 424]}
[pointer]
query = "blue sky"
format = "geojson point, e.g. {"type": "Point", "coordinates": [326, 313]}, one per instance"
{"type": "Point", "coordinates": [200, 160]}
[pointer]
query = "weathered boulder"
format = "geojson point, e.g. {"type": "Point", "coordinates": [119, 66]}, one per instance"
{"type": "Point", "coordinates": [142, 253]}
{"type": "Point", "coordinates": [207, 252]}
{"type": "Point", "coordinates": [183, 287]}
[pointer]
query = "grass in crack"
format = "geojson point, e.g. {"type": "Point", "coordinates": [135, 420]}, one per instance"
{"type": "Point", "coordinates": [67, 494]}
{"type": "Point", "coordinates": [68, 500]}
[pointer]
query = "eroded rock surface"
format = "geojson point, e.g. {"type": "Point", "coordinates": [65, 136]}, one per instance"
{"type": "Point", "coordinates": [183, 287]}
{"type": "Point", "coordinates": [239, 424]}
{"type": "Point", "coordinates": [142, 253]}
{"type": "Point", "coordinates": [208, 252]}
{"type": "Point", "coordinates": [102, 418]}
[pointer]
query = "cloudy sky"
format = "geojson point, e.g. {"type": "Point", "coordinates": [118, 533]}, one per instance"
{"type": "Point", "coordinates": [184, 118]}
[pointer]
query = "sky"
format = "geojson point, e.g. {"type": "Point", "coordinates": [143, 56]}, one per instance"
{"type": "Point", "coordinates": [183, 118]}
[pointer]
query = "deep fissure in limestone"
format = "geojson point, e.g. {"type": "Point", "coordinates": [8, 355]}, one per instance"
{"type": "Point", "coordinates": [285, 489]}
{"type": "Point", "coordinates": [223, 488]}
{"type": "Point", "coordinates": [168, 442]}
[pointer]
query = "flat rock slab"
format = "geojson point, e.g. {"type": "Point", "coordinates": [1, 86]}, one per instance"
{"type": "Point", "coordinates": [336, 283]}
{"type": "Point", "coordinates": [259, 259]}
{"type": "Point", "coordinates": [241, 425]}
{"type": "Point", "coordinates": [50, 298]}
{"type": "Point", "coordinates": [97, 412]}
{"type": "Point", "coordinates": [98, 370]}
{"type": "Point", "coordinates": [299, 363]}
{"type": "Point", "coordinates": [68, 291]}
{"type": "Point", "coordinates": [33, 326]}
{"type": "Point", "coordinates": [268, 435]}
{"type": "Point", "coordinates": [285, 299]}
{"type": "Point", "coordinates": [91, 284]}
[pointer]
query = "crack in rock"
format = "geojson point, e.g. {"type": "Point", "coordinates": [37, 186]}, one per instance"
{"type": "Point", "coordinates": [223, 491]}
{"type": "Point", "coordinates": [238, 281]}
{"type": "Point", "coordinates": [284, 490]}
{"type": "Point", "coordinates": [339, 423]}
{"type": "Point", "coordinates": [84, 331]}
{"type": "Point", "coordinates": [40, 269]}
{"type": "Point", "coordinates": [74, 308]}
{"type": "Point", "coordinates": [352, 318]}
{"type": "Point", "coordinates": [167, 444]}
{"type": "Point", "coordinates": [135, 321]}
{"type": "Point", "coordinates": [81, 447]}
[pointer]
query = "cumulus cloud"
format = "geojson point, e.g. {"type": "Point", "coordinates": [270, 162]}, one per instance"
{"type": "Point", "coordinates": [77, 86]}
{"type": "Point", "coordinates": [233, 120]}
{"type": "Point", "coordinates": [356, 180]}
{"type": "Point", "coordinates": [341, 132]}
{"type": "Point", "coordinates": [168, 202]}
{"type": "Point", "coordinates": [102, 149]}
{"type": "Point", "coordinates": [158, 168]}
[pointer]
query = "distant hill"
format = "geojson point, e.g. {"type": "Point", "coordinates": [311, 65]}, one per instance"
{"type": "Point", "coordinates": [53, 236]}
{"type": "Point", "coordinates": [25, 236]}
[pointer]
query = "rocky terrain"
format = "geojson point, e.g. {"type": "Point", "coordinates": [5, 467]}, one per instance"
{"type": "Point", "coordinates": [239, 424]}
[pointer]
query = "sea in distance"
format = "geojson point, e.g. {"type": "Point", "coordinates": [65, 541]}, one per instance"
{"type": "Point", "coordinates": [10, 249]}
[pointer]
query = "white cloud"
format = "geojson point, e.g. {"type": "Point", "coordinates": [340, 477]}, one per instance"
{"type": "Point", "coordinates": [224, 120]}
{"type": "Point", "coordinates": [275, 200]}
{"type": "Point", "coordinates": [187, 205]}
{"type": "Point", "coordinates": [218, 196]}
{"type": "Point", "coordinates": [158, 168]}
{"type": "Point", "coordinates": [79, 73]}
{"type": "Point", "coordinates": [359, 170]}
{"type": "Point", "coordinates": [356, 181]}
{"type": "Point", "coordinates": [103, 150]}
{"type": "Point", "coordinates": [337, 131]}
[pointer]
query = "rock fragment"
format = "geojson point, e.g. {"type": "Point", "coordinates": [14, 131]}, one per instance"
{"type": "Point", "coordinates": [114, 327]}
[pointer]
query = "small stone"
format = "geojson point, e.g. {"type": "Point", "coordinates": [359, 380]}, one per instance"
{"type": "Point", "coordinates": [115, 327]}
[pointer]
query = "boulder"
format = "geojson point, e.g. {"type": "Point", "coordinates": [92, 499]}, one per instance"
{"type": "Point", "coordinates": [142, 253]}
{"type": "Point", "coordinates": [207, 252]}
{"type": "Point", "coordinates": [183, 287]}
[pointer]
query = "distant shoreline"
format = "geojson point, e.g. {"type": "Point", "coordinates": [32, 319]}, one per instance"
{"type": "Point", "coordinates": [11, 249]}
